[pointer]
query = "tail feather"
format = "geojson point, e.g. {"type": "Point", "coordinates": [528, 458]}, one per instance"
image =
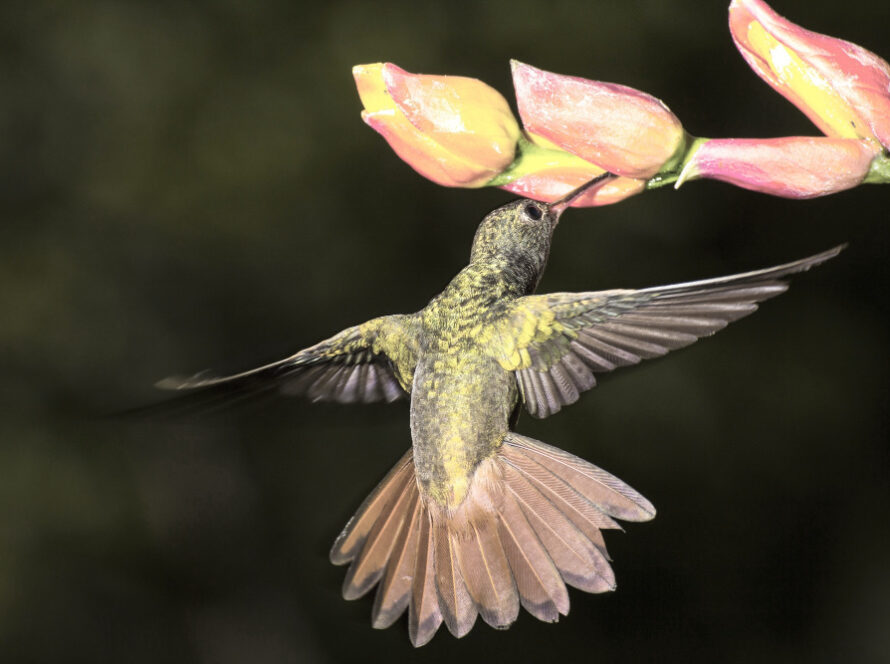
{"type": "Point", "coordinates": [530, 524]}
{"type": "Point", "coordinates": [369, 566]}
{"type": "Point", "coordinates": [541, 588]}
{"type": "Point", "coordinates": [424, 616]}
{"type": "Point", "coordinates": [350, 541]}
{"type": "Point", "coordinates": [487, 573]}
{"type": "Point", "coordinates": [395, 588]}
{"type": "Point", "coordinates": [576, 557]}
{"type": "Point", "coordinates": [606, 491]}
{"type": "Point", "coordinates": [457, 607]}
{"type": "Point", "coordinates": [588, 518]}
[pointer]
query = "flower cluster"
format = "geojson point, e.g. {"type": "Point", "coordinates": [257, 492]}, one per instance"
{"type": "Point", "coordinates": [841, 87]}
{"type": "Point", "coordinates": [460, 132]}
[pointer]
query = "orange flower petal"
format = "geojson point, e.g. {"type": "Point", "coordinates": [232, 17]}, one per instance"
{"type": "Point", "coordinates": [456, 131]}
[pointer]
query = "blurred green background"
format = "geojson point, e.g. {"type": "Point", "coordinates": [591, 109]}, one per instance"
{"type": "Point", "coordinates": [188, 185]}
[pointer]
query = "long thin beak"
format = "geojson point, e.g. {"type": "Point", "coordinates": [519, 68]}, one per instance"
{"type": "Point", "coordinates": [557, 208]}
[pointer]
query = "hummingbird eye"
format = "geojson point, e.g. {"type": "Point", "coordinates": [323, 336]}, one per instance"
{"type": "Point", "coordinates": [533, 212]}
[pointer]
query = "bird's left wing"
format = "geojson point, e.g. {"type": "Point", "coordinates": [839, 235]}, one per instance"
{"type": "Point", "coordinates": [555, 343]}
{"type": "Point", "coordinates": [357, 365]}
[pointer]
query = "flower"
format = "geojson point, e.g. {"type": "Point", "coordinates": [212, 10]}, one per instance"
{"type": "Point", "coordinates": [843, 88]}
{"type": "Point", "coordinates": [546, 173]}
{"type": "Point", "coordinates": [622, 130]}
{"type": "Point", "coordinates": [791, 167]}
{"type": "Point", "coordinates": [459, 132]}
{"type": "Point", "coordinates": [455, 131]}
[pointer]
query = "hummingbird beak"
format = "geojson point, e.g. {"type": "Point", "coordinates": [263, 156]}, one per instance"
{"type": "Point", "coordinates": [558, 207]}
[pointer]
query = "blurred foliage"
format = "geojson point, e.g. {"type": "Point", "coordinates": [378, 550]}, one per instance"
{"type": "Point", "coordinates": [188, 184]}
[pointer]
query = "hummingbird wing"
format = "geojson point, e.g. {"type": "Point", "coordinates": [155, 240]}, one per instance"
{"type": "Point", "coordinates": [355, 365]}
{"type": "Point", "coordinates": [556, 343]}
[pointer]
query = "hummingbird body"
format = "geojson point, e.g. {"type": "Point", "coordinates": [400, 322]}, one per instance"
{"type": "Point", "coordinates": [477, 519]}
{"type": "Point", "coordinates": [462, 399]}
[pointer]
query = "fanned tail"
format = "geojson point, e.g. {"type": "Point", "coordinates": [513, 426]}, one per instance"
{"type": "Point", "coordinates": [531, 523]}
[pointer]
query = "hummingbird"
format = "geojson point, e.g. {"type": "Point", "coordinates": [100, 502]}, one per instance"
{"type": "Point", "coordinates": [477, 519]}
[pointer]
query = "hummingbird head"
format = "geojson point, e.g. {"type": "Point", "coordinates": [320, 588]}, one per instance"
{"type": "Point", "coordinates": [521, 231]}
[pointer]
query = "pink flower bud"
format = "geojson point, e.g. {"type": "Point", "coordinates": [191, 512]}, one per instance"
{"type": "Point", "coordinates": [456, 131]}
{"type": "Point", "coordinates": [622, 130]}
{"type": "Point", "coordinates": [791, 167]}
{"type": "Point", "coordinates": [843, 88]}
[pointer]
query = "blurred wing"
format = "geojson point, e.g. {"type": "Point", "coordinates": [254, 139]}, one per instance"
{"type": "Point", "coordinates": [353, 366]}
{"type": "Point", "coordinates": [555, 343]}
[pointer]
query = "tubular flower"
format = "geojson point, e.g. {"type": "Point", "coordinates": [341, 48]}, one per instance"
{"type": "Point", "coordinates": [791, 167]}
{"type": "Point", "coordinates": [843, 88]}
{"type": "Point", "coordinates": [455, 131]}
{"type": "Point", "coordinates": [546, 173]}
{"type": "Point", "coordinates": [622, 130]}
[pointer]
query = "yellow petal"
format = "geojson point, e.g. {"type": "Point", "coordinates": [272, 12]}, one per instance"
{"type": "Point", "coordinates": [808, 85]}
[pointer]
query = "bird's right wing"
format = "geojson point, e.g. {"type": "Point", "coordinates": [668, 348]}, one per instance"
{"type": "Point", "coordinates": [357, 365]}
{"type": "Point", "coordinates": [555, 343]}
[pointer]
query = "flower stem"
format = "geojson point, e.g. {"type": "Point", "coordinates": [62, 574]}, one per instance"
{"type": "Point", "coordinates": [672, 171]}
{"type": "Point", "coordinates": [879, 171]}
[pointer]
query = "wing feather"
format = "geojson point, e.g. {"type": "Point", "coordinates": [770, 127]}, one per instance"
{"type": "Point", "coordinates": [556, 343]}
{"type": "Point", "coordinates": [354, 366]}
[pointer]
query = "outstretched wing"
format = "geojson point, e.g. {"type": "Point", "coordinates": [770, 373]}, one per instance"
{"type": "Point", "coordinates": [357, 365]}
{"type": "Point", "coordinates": [555, 343]}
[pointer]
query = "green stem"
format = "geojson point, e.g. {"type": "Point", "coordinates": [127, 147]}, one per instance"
{"type": "Point", "coordinates": [879, 171]}
{"type": "Point", "coordinates": [672, 171]}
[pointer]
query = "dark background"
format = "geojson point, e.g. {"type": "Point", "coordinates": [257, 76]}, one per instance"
{"type": "Point", "coordinates": [188, 185]}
